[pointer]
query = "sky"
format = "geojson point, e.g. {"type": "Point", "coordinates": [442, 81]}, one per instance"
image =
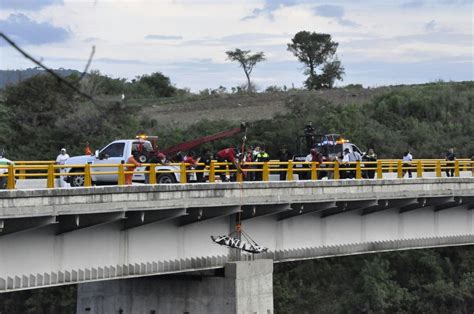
{"type": "Point", "coordinates": [381, 42]}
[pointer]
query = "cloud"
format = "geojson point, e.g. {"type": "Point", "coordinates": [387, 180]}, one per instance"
{"type": "Point", "coordinates": [28, 5]}
{"type": "Point", "coordinates": [120, 61]}
{"type": "Point", "coordinates": [269, 7]}
{"type": "Point", "coordinates": [92, 40]}
{"type": "Point", "coordinates": [23, 30]}
{"type": "Point", "coordinates": [329, 10]}
{"type": "Point", "coordinates": [437, 37]}
{"type": "Point", "coordinates": [415, 4]}
{"type": "Point", "coordinates": [457, 2]}
{"type": "Point", "coordinates": [163, 37]}
{"type": "Point", "coordinates": [242, 39]}
{"type": "Point", "coordinates": [334, 11]}
{"type": "Point", "coordinates": [431, 26]}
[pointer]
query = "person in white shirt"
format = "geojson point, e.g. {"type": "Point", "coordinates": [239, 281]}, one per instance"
{"type": "Point", "coordinates": [348, 161]}
{"type": "Point", "coordinates": [407, 159]}
{"type": "Point", "coordinates": [61, 160]}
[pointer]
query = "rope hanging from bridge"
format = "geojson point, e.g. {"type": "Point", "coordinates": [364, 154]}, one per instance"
{"type": "Point", "coordinates": [249, 245]}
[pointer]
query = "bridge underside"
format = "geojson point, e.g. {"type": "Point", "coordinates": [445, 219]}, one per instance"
{"type": "Point", "coordinates": [101, 240]}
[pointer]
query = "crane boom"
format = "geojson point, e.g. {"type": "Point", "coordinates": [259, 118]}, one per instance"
{"type": "Point", "coordinates": [206, 139]}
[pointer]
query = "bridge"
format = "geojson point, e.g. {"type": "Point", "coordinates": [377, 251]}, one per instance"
{"type": "Point", "coordinates": [93, 235]}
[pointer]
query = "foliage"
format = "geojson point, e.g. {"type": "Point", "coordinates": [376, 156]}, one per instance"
{"type": "Point", "coordinates": [45, 116]}
{"type": "Point", "coordinates": [40, 301]}
{"type": "Point", "coordinates": [425, 281]}
{"type": "Point", "coordinates": [247, 61]}
{"type": "Point", "coordinates": [159, 84]}
{"type": "Point", "coordinates": [425, 119]}
{"type": "Point", "coordinates": [317, 52]}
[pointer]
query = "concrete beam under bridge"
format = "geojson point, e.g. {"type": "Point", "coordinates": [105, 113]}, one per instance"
{"type": "Point", "coordinates": [243, 287]}
{"type": "Point", "coordinates": [124, 232]}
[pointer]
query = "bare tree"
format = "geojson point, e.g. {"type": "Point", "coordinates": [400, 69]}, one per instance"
{"type": "Point", "coordinates": [247, 61]}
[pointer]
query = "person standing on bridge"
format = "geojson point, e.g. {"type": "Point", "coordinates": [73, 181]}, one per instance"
{"type": "Point", "coordinates": [450, 158]}
{"type": "Point", "coordinates": [262, 156]}
{"type": "Point", "coordinates": [228, 155]}
{"type": "Point", "coordinates": [370, 157]}
{"type": "Point", "coordinates": [407, 159]}
{"type": "Point", "coordinates": [61, 160]}
{"type": "Point", "coordinates": [132, 164]}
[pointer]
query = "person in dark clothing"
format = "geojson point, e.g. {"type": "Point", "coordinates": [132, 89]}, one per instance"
{"type": "Point", "coordinates": [284, 156]}
{"type": "Point", "coordinates": [313, 156]}
{"type": "Point", "coordinates": [309, 135]}
{"type": "Point", "coordinates": [158, 158]}
{"type": "Point", "coordinates": [450, 157]}
{"type": "Point", "coordinates": [248, 158]}
{"type": "Point", "coordinates": [371, 156]}
{"type": "Point", "coordinates": [205, 161]}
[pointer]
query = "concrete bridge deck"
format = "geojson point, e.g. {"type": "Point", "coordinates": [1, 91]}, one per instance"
{"type": "Point", "coordinates": [61, 236]}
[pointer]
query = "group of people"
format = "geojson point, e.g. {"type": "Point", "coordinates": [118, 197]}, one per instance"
{"type": "Point", "coordinates": [232, 155]}
{"type": "Point", "coordinates": [240, 161]}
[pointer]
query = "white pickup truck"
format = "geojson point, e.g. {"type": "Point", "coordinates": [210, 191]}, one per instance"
{"type": "Point", "coordinates": [4, 163]}
{"type": "Point", "coordinates": [117, 153]}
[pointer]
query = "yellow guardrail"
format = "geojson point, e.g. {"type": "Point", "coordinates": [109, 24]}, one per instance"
{"type": "Point", "coordinates": [255, 171]}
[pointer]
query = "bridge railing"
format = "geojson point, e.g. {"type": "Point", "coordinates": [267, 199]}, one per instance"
{"type": "Point", "coordinates": [252, 171]}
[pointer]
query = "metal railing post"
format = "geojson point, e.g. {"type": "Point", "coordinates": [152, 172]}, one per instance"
{"type": "Point", "coordinates": [121, 175]}
{"type": "Point", "coordinates": [152, 174]}
{"type": "Point", "coordinates": [239, 177]}
{"type": "Point", "coordinates": [419, 169]}
{"type": "Point", "coordinates": [87, 175]}
{"type": "Point", "coordinates": [399, 169]}
{"type": "Point", "coordinates": [314, 175]}
{"type": "Point", "coordinates": [212, 171]}
{"type": "Point", "coordinates": [11, 177]}
{"type": "Point", "coordinates": [379, 170]}
{"type": "Point", "coordinates": [183, 173]}
{"type": "Point", "coordinates": [456, 168]}
{"type": "Point", "coordinates": [358, 170]}
{"type": "Point", "coordinates": [337, 175]}
{"type": "Point", "coordinates": [438, 169]}
{"type": "Point", "coordinates": [266, 172]}
{"type": "Point", "coordinates": [50, 181]}
{"type": "Point", "coordinates": [289, 171]}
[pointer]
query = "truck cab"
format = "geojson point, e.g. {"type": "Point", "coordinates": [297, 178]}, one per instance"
{"type": "Point", "coordinates": [4, 163]}
{"type": "Point", "coordinates": [116, 153]}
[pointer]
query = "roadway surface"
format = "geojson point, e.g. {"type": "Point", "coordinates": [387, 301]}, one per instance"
{"type": "Point", "coordinates": [22, 184]}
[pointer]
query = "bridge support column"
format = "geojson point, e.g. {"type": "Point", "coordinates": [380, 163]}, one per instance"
{"type": "Point", "coordinates": [246, 287]}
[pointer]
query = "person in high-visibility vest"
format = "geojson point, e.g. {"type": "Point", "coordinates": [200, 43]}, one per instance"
{"type": "Point", "coordinates": [131, 161]}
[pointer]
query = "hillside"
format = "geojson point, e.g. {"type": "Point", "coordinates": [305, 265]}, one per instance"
{"type": "Point", "coordinates": [242, 107]}
{"type": "Point", "coordinates": [39, 116]}
{"type": "Point", "coordinates": [13, 77]}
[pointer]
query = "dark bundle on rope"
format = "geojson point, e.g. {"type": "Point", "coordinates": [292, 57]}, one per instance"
{"type": "Point", "coordinates": [239, 244]}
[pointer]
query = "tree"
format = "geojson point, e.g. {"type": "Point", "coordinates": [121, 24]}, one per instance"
{"type": "Point", "coordinates": [247, 61]}
{"type": "Point", "coordinates": [159, 84]}
{"type": "Point", "coordinates": [318, 52]}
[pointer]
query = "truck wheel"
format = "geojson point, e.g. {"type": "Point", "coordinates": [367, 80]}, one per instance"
{"type": "Point", "coordinates": [77, 180]}
{"type": "Point", "coordinates": [165, 178]}
{"type": "Point", "coordinates": [142, 158]}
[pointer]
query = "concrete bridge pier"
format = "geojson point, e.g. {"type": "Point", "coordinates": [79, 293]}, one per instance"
{"type": "Point", "coordinates": [243, 287]}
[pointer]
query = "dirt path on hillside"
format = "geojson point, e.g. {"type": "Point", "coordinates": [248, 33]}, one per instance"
{"type": "Point", "coordinates": [243, 107]}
